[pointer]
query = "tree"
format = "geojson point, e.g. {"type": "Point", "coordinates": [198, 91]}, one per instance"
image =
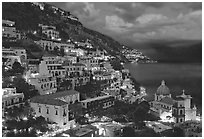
{"type": "Point", "coordinates": [66, 84]}
{"type": "Point", "coordinates": [23, 87]}
{"type": "Point", "coordinates": [178, 132]}
{"type": "Point", "coordinates": [116, 64]}
{"type": "Point", "coordinates": [41, 124]}
{"type": "Point", "coordinates": [128, 132]}
{"type": "Point", "coordinates": [140, 113]}
{"type": "Point", "coordinates": [62, 51]}
{"type": "Point", "coordinates": [17, 68]}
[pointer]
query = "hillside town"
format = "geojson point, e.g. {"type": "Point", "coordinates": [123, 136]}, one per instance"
{"type": "Point", "coordinates": [76, 89]}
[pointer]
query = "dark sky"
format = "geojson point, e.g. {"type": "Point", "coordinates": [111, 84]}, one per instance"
{"type": "Point", "coordinates": [137, 22]}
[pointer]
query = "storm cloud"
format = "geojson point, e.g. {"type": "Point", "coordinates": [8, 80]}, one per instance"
{"type": "Point", "coordinates": [135, 22]}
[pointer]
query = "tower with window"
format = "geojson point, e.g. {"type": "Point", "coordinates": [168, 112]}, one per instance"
{"type": "Point", "coordinates": [179, 110]}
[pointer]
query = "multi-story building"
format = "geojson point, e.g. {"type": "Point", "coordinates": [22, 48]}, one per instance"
{"type": "Point", "coordinates": [15, 54]}
{"type": "Point", "coordinates": [9, 29]}
{"type": "Point", "coordinates": [72, 59]}
{"type": "Point", "coordinates": [78, 52]}
{"type": "Point", "coordinates": [50, 31]}
{"type": "Point", "coordinates": [20, 52]}
{"type": "Point", "coordinates": [102, 75]}
{"type": "Point", "coordinates": [33, 65]}
{"type": "Point", "coordinates": [44, 82]}
{"type": "Point", "coordinates": [97, 103]}
{"type": "Point", "coordinates": [54, 65]}
{"type": "Point", "coordinates": [9, 58]}
{"type": "Point", "coordinates": [53, 110]}
{"type": "Point", "coordinates": [51, 45]}
{"type": "Point", "coordinates": [79, 80]}
{"type": "Point", "coordinates": [90, 62]}
{"type": "Point", "coordinates": [179, 110]}
{"type": "Point", "coordinates": [96, 52]}
{"type": "Point", "coordinates": [73, 68]}
{"type": "Point", "coordinates": [10, 99]}
{"type": "Point", "coordinates": [55, 107]}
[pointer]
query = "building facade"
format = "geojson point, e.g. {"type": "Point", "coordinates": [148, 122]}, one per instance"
{"type": "Point", "coordinates": [98, 103]}
{"type": "Point", "coordinates": [44, 82]}
{"type": "Point", "coordinates": [177, 109]}
{"type": "Point", "coordinates": [55, 107]}
{"type": "Point", "coordinates": [9, 30]}
{"type": "Point", "coordinates": [10, 99]}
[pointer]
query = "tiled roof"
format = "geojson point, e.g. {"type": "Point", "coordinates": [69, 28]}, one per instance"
{"type": "Point", "coordinates": [167, 100]}
{"type": "Point", "coordinates": [179, 98]}
{"type": "Point", "coordinates": [48, 101]}
{"type": "Point", "coordinates": [61, 94]}
{"type": "Point", "coordinates": [52, 98]}
{"type": "Point", "coordinates": [97, 98]}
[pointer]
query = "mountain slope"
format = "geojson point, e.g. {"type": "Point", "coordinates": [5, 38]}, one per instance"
{"type": "Point", "coordinates": [28, 15]}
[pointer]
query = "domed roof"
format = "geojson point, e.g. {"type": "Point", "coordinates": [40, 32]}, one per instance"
{"type": "Point", "coordinates": [163, 89]}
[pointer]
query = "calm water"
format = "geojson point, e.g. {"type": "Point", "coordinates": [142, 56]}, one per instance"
{"type": "Point", "coordinates": [177, 77]}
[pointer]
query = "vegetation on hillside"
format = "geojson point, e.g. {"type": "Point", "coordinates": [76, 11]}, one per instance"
{"type": "Point", "coordinates": [27, 17]}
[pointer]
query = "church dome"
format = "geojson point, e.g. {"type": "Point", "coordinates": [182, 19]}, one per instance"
{"type": "Point", "coordinates": [163, 89]}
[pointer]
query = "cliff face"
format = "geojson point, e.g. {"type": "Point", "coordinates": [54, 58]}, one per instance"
{"type": "Point", "coordinates": [28, 15]}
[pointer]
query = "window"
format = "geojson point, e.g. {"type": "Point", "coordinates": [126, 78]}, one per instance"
{"type": "Point", "coordinates": [181, 112]}
{"type": "Point", "coordinates": [39, 110]}
{"type": "Point", "coordinates": [56, 113]}
{"type": "Point", "coordinates": [47, 111]}
{"type": "Point", "coordinates": [64, 114]}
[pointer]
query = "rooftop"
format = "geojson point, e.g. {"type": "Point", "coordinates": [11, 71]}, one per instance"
{"type": "Point", "coordinates": [163, 89]}
{"type": "Point", "coordinates": [97, 98]}
{"type": "Point", "coordinates": [62, 94]}
{"type": "Point", "coordinates": [48, 101]}
{"type": "Point", "coordinates": [167, 100]}
{"type": "Point", "coordinates": [51, 99]}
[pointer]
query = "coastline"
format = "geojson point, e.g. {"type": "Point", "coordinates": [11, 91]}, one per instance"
{"type": "Point", "coordinates": [176, 82]}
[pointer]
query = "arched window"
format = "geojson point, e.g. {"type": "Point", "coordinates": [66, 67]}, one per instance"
{"type": "Point", "coordinates": [181, 112]}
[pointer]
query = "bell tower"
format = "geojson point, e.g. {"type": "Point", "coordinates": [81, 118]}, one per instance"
{"type": "Point", "coordinates": [179, 110]}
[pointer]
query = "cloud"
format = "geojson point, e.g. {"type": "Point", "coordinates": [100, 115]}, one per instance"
{"type": "Point", "coordinates": [133, 21]}
{"type": "Point", "coordinates": [151, 18]}
{"type": "Point", "coordinates": [117, 24]}
{"type": "Point", "coordinates": [91, 10]}
{"type": "Point", "coordinates": [184, 26]}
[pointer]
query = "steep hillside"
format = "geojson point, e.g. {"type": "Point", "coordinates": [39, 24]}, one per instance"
{"type": "Point", "coordinates": [28, 15]}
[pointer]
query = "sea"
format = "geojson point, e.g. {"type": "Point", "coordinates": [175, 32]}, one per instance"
{"type": "Point", "coordinates": [178, 77]}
